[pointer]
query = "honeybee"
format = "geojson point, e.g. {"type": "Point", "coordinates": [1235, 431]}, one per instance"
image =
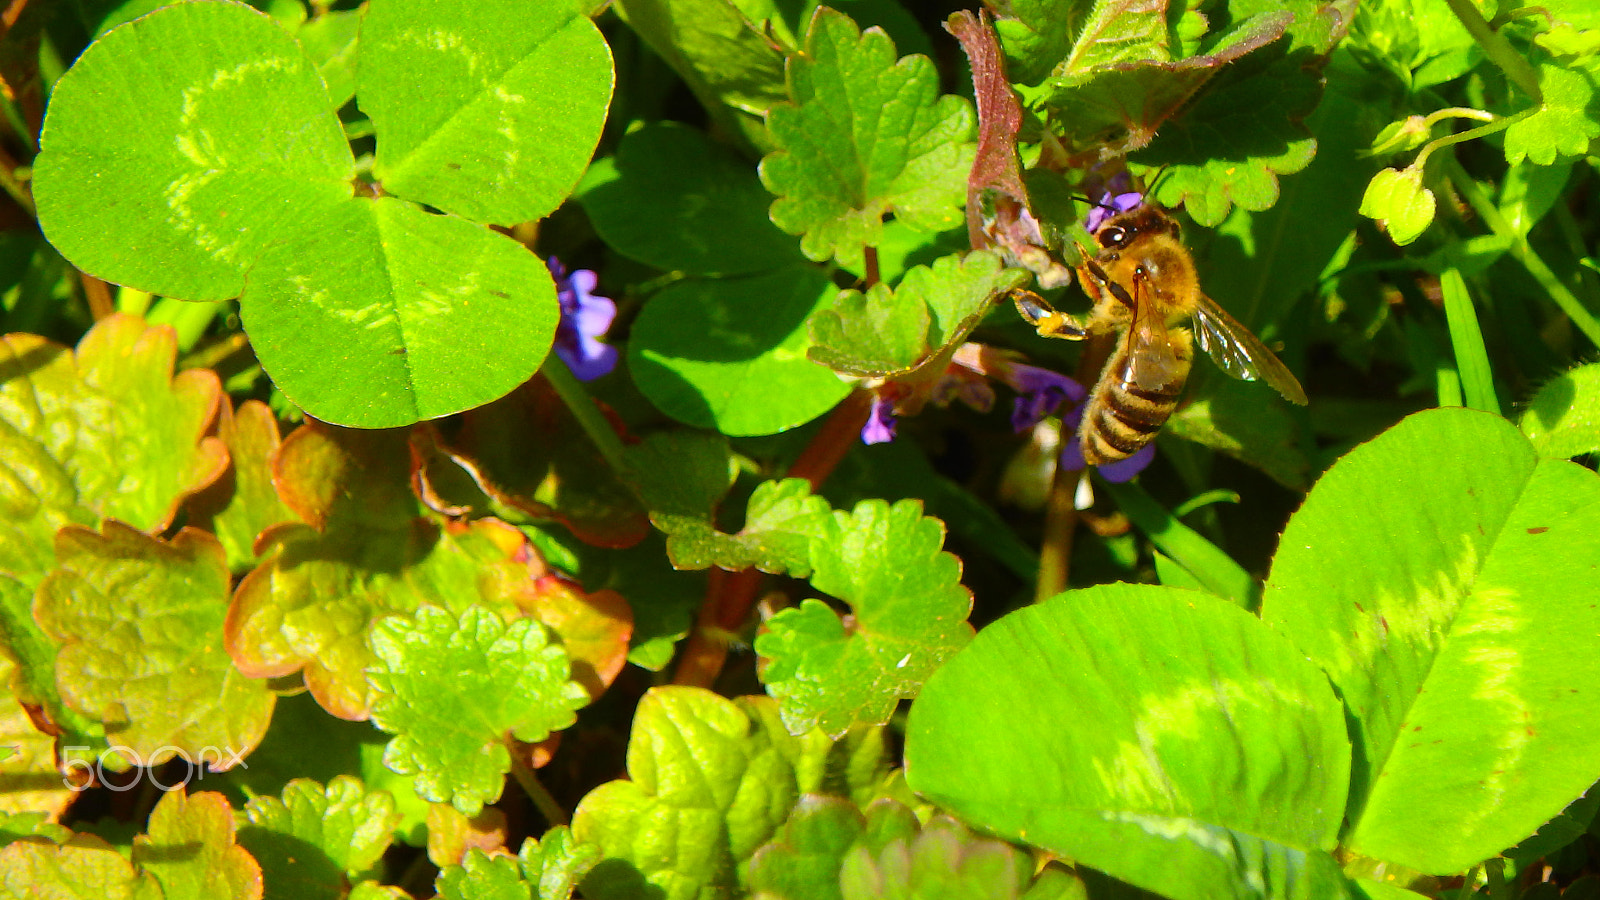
{"type": "Point", "coordinates": [1144, 287]}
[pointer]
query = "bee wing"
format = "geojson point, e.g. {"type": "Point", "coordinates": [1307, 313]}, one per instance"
{"type": "Point", "coordinates": [1155, 366]}
{"type": "Point", "coordinates": [1240, 353]}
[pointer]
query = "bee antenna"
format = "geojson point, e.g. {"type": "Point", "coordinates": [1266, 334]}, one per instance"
{"type": "Point", "coordinates": [1155, 182]}
{"type": "Point", "coordinates": [1094, 202]}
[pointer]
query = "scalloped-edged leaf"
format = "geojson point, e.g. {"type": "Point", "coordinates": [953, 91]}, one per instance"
{"type": "Point", "coordinates": [1443, 575]}
{"type": "Point", "coordinates": [487, 108]}
{"type": "Point", "coordinates": [931, 311]}
{"type": "Point", "coordinates": [1563, 418]}
{"type": "Point", "coordinates": [84, 867]}
{"type": "Point", "coordinates": [105, 431]}
{"type": "Point", "coordinates": [243, 502]}
{"type": "Point", "coordinates": [33, 781]}
{"type": "Point", "coordinates": [310, 842]}
{"type": "Point", "coordinates": [781, 520]}
{"type": "Point", "coordinates": [593, 628]}
{"type": "Point", "coordinates": [681, 476]}
{"type": "Point", "coordinates": [672, 198]}
{"type": "Point", "coordinates": [908, 615]}
{"type": "Point", "coordinates": [730, 354]}
{"type": "Point", "coordinates": [864, 136]}
{"type": "Point", "coordinates": [1211, 762]}
{"type": "Point", "coordinates": [139, 625]}
{"type": "Point", "coordinates": [234, 179]}
{"type": "Point", "coordinates": [309, 605]}
{"type": "Point", "coordinates": [451, 732]}
{"type": "Point", "coordinates": [1245, 129]}
{"type": "Point", "coordinates": [1123, 82]}
{"type": "Point", "coordinates": [190, 850]}
{"type": "Point", "coordinates": [1565, 122]}
{"type": "Point", "coordinates": [451, 833]}
{"type": "Point", "coordinates": [528, 453]}
{"type": "Point", "coordinates": [828, 850]}
{"type": "Point", "coordinates": [709, 781]}
{"type": "Point", "coordinates": [546, 869]}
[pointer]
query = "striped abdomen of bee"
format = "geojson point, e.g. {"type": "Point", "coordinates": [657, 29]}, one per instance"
{"type": "Point", "coordinates": [1130, 403]}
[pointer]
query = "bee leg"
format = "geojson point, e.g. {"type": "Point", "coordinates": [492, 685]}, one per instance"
{"type": "Point", "coordinates": [1045, 319]}
{"type": "Point", "coordinates": [1104, 281]}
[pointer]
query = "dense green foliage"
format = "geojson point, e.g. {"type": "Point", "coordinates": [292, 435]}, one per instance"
{"type": "Point", "coordinates": [480, 449]}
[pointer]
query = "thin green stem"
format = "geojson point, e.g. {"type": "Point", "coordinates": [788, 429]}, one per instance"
{"type": "Point", "coordinates": [1456, 112]}
{"type": "Point", "coordinates": [1574, 238]}
{"type": "Point", "coordinates": [583, 409]}
{"type": "Point", "coordinates": [1498, 49]}
{"type": "Point", "coordinates": [1519, 249]}
{"type": "Point", "coordinates": [531, 785]}
{"type": "Point", "coordinates": [1470, 135]}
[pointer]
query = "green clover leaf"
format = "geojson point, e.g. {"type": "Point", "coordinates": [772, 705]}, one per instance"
{"type": "Point", "coordinates": [234, 178]}
{"type": "Point", "coordinates": [452, 689]}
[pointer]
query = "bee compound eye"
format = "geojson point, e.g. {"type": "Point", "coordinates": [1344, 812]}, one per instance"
{"type": "Point", "coordinates": [1112, 236]}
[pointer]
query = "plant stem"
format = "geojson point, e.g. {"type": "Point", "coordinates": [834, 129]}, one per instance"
{"type": "Point", "coordinates": [1469, 135]}
{"type": "Point", "coordinates": [1522, 252]}
{"type": "Point", "coordinates": [1060, 525]}
{"type": "Point", "coordinates": [730, 595]}
{"type": "Point", "coordinates": [1498, 49]}
{"type": "Point", "coordinates": [531, 785]}
{"type": "Point", "coordinates": [589, 417]}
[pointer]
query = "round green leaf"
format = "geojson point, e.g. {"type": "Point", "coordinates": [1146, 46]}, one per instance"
{"type": "Point", "coordinates": [414, 316]}
{"type": "Point", "coordinates": [489, 109]}
{"type": "Point", "coordinates": [1160, 735]}
{"type": "Point", "coordinates": [180, 144]}
{"type": "Point", "coordinates": [1563, 418]}
{"type": "Point", "coordinates": [731, 355]}
{"type": "Point", "coordinates": [673, 199]}
{"type": "Point", "coordinates": [1444, 577]}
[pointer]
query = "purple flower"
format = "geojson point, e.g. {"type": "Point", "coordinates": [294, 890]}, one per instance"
{"type": "Point", "coordinates": [1040, 392]}
{"type": "Point", "coordinates": [584, 317]}
{"type": "Point", "coordinates": [1110, 196]}
{"type": "Point", "coordinates": [880, 425]}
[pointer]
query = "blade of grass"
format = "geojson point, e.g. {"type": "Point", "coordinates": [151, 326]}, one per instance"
{"type": "Point", "coordinates": [1466, 338]}
{"type": "Point", "coordinates": [1203, 559]}
{"type": "Point", "coordinates": [1522, 252]}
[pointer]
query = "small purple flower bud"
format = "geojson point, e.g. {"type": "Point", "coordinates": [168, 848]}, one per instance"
{"type": "Point", "coordinates": [584, 317]}
{"type": "Point", "coordinates": [880, 424]}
